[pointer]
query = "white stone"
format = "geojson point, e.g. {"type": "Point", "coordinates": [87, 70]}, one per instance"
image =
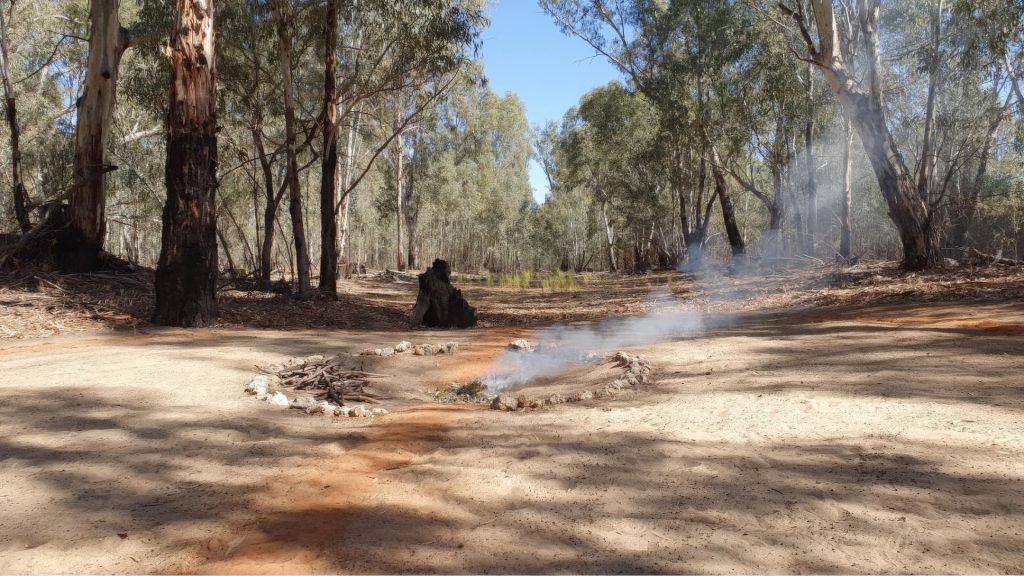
{"type": "Point", "coordinates": [385, 352]}
{"type": "Point", "coordinates": [359, 412]}
{"type": "Point", "coordinates": [279, 399]}
{"type": "Point", "coordinates": [378, 411]}
{"type": "Point", "coordinates": [520, 345]}
{"type": "Point", "coordinates": [306, 404]}
{"type": "Point", "coordinates": [260, 386]}
{"type": "Point", "coordinates": [505, 402]}
{"type": "Point", "coordinates": [403, 346]}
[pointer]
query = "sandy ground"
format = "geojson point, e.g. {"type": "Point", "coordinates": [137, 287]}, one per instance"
{"type": "Point", "coordinates": [878, 439]}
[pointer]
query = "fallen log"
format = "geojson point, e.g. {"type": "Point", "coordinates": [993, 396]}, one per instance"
{"type": "Point", "coordinates": [983, 258]}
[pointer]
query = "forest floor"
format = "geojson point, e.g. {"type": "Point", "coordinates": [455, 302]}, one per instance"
{"type": "Point", "coordinates": [856, 420]}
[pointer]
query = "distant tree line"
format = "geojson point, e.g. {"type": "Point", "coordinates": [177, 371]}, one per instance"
{"type": "Point", "coordinates": [831, 129]}
{"type": "Point", "coordinates": [299, 142]}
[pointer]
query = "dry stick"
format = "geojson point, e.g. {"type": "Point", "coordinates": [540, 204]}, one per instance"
{"type": "Point", "coordinates": [994, 258]}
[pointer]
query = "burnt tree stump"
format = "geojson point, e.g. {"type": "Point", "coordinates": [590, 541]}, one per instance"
{"type": "Point", "coordinates": [439, 304]}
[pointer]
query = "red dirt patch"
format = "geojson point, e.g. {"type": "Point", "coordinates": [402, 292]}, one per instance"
{"type": "Point", "coordinates": [304, 517]}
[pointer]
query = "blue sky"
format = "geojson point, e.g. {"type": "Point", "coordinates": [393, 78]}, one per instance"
{"type": "Point", "coordinates": [525, 53]}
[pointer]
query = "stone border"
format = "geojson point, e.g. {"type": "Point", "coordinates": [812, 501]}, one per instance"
{"type": "Point", "coordinates": [636, 372]}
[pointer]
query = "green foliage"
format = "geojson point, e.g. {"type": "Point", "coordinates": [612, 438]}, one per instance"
{"type": "Point", "coordinates": [520, 280]}
{"type": "Point", "coordinates": [558, 281]}
{"type": "Point", "coordinates": [555, 281]}
{"type": "Point", "coordinates": [628, 167]}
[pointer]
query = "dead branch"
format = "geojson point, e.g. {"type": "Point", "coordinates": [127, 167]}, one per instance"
{"type": "Point", "coordinates": [330, 378]}
{"type": "Point", "coordinates": [983, 258]}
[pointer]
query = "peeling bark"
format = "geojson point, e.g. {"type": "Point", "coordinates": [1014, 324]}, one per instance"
{"type": "Point", "coordinates": [87, 202]}
{"type": "Point", "coordinates": [186, 276]}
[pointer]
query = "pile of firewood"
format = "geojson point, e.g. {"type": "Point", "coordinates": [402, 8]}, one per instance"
{"type": "Point", "coordinates": [329, 378]}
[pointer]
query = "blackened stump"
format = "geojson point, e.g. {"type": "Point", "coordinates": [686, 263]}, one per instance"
{"type": "Point", "coordinates": [439, 304]}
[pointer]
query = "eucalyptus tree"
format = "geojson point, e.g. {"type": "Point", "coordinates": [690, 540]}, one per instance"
{"type": "Point", "coordinates": [407, 54]}
{"type": "Point", "coordinates": [767, 105]}
{"type": "Point", "coordinates": [186, 276]}
{"type": "Point", "coordinates": [251, 114]}
{"type": "Point", "coordinates": [330, 177]}
{"type": "Point", "coordinates": [18, 193]}
{"type": "Point", "coordinates": [607, 146]}
{"type": "Point", "coordinates": [87, 202]}
{"type": "Point", "coordinates": [284, 25]}
{"type": "Point", "coordinates": [990, 37]}
{"type": "Point", "coordinates": [676, 54]}
{"type": "Point", "coordinates": [844, 42]}
{"type": "Point", "coordinates": [467, 194]}
{"type": "Point", "coordinates": [565, 227]}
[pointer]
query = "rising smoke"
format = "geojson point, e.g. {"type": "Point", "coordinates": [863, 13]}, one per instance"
{"type": "Point", "coordinates": [560, 348]}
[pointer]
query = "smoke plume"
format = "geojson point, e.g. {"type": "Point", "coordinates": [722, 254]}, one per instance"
{"type": "Point", "coordinates": [562, 347]}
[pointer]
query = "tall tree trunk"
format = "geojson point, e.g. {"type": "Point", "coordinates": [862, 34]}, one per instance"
{"type": "Point", "coordinates": [779, 158]}
{"type": "Point", "coordinates": [273, 201]}
{"type": "Point", "coordinates": [87, 201]}
{"type": "Point", "coordinates": [776, 244]}
{"type": "Point", "coordinates": [610, 236]}
{"type": "Point", "coordinates": [410, 252]}
{"type": "Point", "coordinates": [18, 188]}
{"type": "Point", "coordinates": [411, 218]}
{"type": "Point", "coordinates": [282, 15]}
{"type": "Point", "coordinates": [695, 225]}
{"type": "Point", "coordinates": [776, 209]}
{"type": "Point", "coordinates": [811, 193]}
{"type": "Point", "coordinates": [907, 209]}
{"type": "Point", "coordinates": [863, 101]}
{"type": "Point", "coordinates": [329, 177]}
{"type": "Point", "coordinates": [399, 180]}
{"type": "Point", "coordinates": [732, 229]}
{"type": "Point", "coordinates": [926, 164]}
{"type": "Point", "coordinates": [186, 276]}
{"type": "Point", "coordinates": [676, 181]}
{"type": "Point", "coordinates": [344, 209]}
{"type": "Point", "coordinates": [846, 201]}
